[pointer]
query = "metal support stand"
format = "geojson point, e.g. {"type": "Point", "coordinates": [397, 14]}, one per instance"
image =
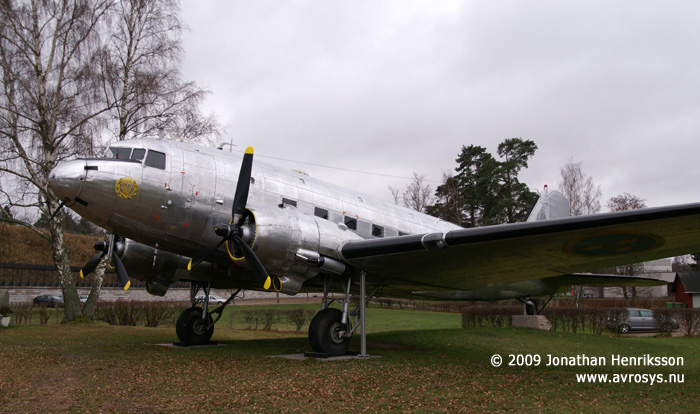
{"type": "Point", "coordinates": [363, 317]}
{"type": "Point", "coordinates": [206, 287]}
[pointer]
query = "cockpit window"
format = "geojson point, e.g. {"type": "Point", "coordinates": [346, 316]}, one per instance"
{"type": "Point", "coordinates": [138, 154]}
{"type": "Point", "coordinates": [121, 153]}
{"type": "Point", "coordinates": [155, 159]}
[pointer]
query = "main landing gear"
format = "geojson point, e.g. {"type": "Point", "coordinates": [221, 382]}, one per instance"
{"type": "Point", "coordinates": [195, 326]}
{"type": "Point", "coordinates": [331, 330]}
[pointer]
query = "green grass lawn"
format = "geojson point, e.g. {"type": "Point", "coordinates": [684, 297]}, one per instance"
{"type": "Point", "coordinates": [428, 364]}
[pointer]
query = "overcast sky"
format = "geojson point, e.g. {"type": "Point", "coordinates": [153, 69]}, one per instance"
{"type": "Point", "coordinates": [396, 87]}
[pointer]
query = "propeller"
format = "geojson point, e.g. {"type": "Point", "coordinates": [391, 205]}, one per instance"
{"type": "Point", "coordinates": [234, 231]}
{"type": "Point", "coordinates": [107, 249]}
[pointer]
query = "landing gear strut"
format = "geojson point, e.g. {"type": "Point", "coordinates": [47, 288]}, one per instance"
{"type": "Point", "coordinates": [195, 326]}
{"type": "Point", "coordinates": [331, 330]}
{"type": "Point", "coordinates": [532, 306]}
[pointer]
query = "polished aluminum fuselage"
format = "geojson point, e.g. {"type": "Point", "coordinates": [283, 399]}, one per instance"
{"type": "Point", "coordinates": [176, 207]}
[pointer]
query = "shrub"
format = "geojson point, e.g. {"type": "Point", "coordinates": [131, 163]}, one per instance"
{"type": "Point", "coordinates": [23, 311]}
{"type": "Point", "coordinates": [269, 317]}
{"type": "Point", "coordinates": [133, 313]}
{"type": "Point", "coordinates": [688, 319]}
{"type": "Point", "coordinates": [251, 316]}
{"type": "Point", "coordinates": [496, 316]}
{"type": "Point", "coordinates": [299, 317]}
{"type": "Point", "coordinates": [44, 314]}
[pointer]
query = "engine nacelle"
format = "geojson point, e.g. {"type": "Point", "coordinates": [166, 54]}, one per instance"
{"type": "Point", "coordinates": [160, 269]}
{"type": "Point", "coordinates": [296, 246]}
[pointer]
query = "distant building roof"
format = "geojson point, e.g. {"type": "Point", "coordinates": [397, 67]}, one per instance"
{"type": "Point", "coordinates": [691, 281]}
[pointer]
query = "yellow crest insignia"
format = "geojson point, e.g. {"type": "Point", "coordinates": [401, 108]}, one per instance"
{"type": "Point", "coordinates": [126, 187]}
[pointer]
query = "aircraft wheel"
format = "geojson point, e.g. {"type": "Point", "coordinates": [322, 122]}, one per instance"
{"type": "Point", "coordinates": [192, 329]}
{"type": "Point", "coordinates": [624, 328]}
{"type": "Point", "coordinates": [325, 333]}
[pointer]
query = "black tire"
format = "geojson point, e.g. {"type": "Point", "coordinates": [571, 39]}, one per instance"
{"type": "Point", "coordinates": [192, 329]}
{"type": "Point", "coordinates": [624, 328]}
{"type": "Point", "coordinates": [667, 328]}
{"type": "Point", "coordinates": [323, 333]}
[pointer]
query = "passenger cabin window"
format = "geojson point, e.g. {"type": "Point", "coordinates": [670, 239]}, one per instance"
{"type": "Point", "coordinates": [377, 231]}
{"type": "Point", "coordinates": [351, 222]}
{"type": "Point", "coordinates": [289, 202]}
{"type": "Point", "coordinates": [155, 159]}
{"type": "Point", "coordinates": [321, 212]}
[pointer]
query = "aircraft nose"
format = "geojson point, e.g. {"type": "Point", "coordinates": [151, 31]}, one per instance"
{"type": "Point", "coordinates": [67, 179]}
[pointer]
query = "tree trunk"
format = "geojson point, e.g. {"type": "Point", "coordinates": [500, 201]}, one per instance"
{"type": "Point", "coordinates": [97, 281]}
{"type": "Point", "coordinates": [59, 251]}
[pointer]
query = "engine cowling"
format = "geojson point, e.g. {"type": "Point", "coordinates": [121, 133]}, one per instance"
{"type": "Point", "coordinates": [296, 246]}
{"type": "Point", "coordinates": [159, 269]}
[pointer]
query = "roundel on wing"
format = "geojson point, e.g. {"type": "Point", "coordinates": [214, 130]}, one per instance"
{"type": "Point", "coordinates": [613, 244]}
{"type": "Point", "coordinates": [126, 187]}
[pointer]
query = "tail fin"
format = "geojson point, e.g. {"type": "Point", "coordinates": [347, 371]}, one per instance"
{"type": "Point", "coordinates": [551, 204]}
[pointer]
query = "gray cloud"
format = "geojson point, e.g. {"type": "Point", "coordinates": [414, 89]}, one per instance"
{"type": "Point", "coordinates": [397, 87]}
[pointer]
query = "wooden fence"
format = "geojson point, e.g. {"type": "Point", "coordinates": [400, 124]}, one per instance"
{"type": "Point", "coordinates": [19, 275]}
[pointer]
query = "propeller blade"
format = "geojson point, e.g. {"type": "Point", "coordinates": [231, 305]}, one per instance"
{"type": "Point", "coordinates": [240, 199]}
{"type": "Point", "coordinates": [121, 271]}
{"type": "Point", "coordinates": [91, 264]}
{"type": "Point", "coordinates": [253, 260]}
{"type": "Point", "coordinates": [204, 254]}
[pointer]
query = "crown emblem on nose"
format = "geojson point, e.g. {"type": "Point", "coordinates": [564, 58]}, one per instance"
{"type": "Point", "coordinates": [126, 187]}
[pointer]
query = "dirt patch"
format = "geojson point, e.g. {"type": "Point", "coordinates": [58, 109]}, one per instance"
{"type": "Point", "coordinates": [21, 245]}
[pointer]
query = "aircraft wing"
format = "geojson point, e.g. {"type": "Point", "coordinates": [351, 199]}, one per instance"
{"type": "Point", "coordinates": [541, 287]}
{"type": "Point", "coordinates": [468, 259]}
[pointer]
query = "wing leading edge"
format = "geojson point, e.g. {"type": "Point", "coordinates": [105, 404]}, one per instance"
{"type": "Point", "coordinates": [468, 259]}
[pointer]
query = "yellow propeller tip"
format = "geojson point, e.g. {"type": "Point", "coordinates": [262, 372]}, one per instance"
{"type": "Point", "coordinates": [128, 285]}
{"type": "Point", "coordinates": [249, 150]}
{"type": "Point", "coordinates": [189, 266]}
{"type": "Point", "coordinates": [81, 274]}
{"type": "Point", "coordinates": [268, 283]}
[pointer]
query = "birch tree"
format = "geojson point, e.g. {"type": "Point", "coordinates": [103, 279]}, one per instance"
{"type": "Point", "coordinates": [141, 74]}
{"type": "Point", "coordinates": [47, 105]}
{"type": "Point", "coordinates": [141, 83]}
{"type": "Point", "coordinates": [579, 189]}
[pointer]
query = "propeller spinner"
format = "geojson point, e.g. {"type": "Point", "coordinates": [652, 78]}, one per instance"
{"type": "Point", "coordinates": [234, 231]}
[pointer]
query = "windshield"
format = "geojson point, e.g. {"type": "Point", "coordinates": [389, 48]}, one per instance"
{"type": "Point", "coordinates": [153, 159]}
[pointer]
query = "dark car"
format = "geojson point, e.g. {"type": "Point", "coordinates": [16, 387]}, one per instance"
{"type": "Point", "coordinates": [52, 301]}
{"type": "Point", "coordinates": [634, 319]}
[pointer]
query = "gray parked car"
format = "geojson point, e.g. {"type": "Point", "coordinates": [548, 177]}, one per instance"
{"type": "Point", "coordinates": [213, 299]}
{"type": "Point", "coordinates": [638, 320]}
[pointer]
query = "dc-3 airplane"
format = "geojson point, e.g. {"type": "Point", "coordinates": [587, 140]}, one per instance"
{"type": "Point", "coordinates": [184, 212]}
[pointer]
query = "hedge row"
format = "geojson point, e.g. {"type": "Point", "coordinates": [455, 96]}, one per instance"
{"type": "Point", "coordinates": [578, 319]}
